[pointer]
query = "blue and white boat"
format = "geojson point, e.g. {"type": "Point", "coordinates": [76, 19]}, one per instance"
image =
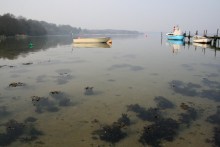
{"type": "Point", "coordinates": [176, 34]}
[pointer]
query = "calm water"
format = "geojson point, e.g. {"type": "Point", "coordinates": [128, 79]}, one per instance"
{"type": "Point", "coordinates": [56, 94]}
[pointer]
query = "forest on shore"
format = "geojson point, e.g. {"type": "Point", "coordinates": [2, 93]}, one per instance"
{"type": "Point", "coordinates": [12, 26]}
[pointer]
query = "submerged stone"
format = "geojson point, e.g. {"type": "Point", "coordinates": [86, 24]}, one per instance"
{"type": "Point", "coordinates": [164, 129]}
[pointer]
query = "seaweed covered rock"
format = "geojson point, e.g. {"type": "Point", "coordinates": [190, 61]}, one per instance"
{"type": "Point", "coordinates": [44, 104]}
{"type": "Point", "coordinates": [15, 84]}
{"type": "Point", "coordinates": [164, 129]}
{"type": "Point", "coordinates": [190, 115]}
{"type": "Point", "coordinates": [215, 119]}
{"type": "Point", "coordinates": [13, 131]}
{"type": "Point", "coordinates": [163, 103]}
{"type": "Point", "coordinates": [217, 136]}
{"type": "Point", "coordinates": [110, 133]}
{"type": "Point", "coordinates": [124, 120]}
{"type": "Point", "coordinates": [60, 98]}
{"type": "Point", "coordinates": [151, 114]}
{"type": "Point", "coordinates": [3, 111]}
{"type": "Point", "coordinates": [186, 89]}
{"type": "Point", "coordinates": [88, 90]}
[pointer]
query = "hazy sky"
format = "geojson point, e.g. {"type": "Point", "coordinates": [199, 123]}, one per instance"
{"type": "Point", "coordinates": [140, 15]}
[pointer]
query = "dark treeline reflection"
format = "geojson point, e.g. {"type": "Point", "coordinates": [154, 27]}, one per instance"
{"type": "Point", "coordinates": [11, 48]}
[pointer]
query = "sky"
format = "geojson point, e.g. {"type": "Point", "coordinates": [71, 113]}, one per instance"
{"type": "Point", "coordinates": [139, 15]}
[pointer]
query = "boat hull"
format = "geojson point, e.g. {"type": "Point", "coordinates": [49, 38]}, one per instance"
{"type": "Point", "coordinates": [205, 41]}
{"type": "Point", "coordinates": [91, 45]}
{"type": "Point", "coordinates": [92, 40]}
{"type": "Point", "coordinates": [201, 39]}
{"type": "Point", "coordinates": [175, 37]}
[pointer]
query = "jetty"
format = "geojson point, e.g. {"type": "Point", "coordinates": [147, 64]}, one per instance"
{"type": "Point", "coordinates": [215, 38]}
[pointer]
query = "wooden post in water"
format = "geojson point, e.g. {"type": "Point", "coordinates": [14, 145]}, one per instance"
{"type": "Point", "coordinates": [189, 37]}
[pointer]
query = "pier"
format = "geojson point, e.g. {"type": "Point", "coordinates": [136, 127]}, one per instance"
{"type": "Point", "coordinates": [215, 38]}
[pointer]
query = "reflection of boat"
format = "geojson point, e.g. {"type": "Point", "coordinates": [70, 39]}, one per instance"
{"type": "Point", "coordinates": [175, 44]}
{"type": "Point", "coordinates": [91, 45]}
{"type": "Point", "coordinates": [21, 36]}
{"type": "Point", "coordinates": [93, 40]}
{"type": "Point", "coordinates": [201, 39]}
{"type": "Point", "coordinates": [202, 45]}
{"type": "Point", "coordinates": [176, 34]}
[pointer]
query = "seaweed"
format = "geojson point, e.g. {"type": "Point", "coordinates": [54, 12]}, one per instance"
{"type": "Point", "coordinates": [211, 84]}
{"type": "Point", "coordinates": [14, 130]}
{"type": "Point", "coordinates": [215, 119]}
{"type": "Point", "coordinates": [163, 103]}
{"type": "Point", "coordinates": [163, 129]}
{"type": "Point", "coordinates": [61, 98]}
{"type": "Point", "coordinates": [188, 89]}
{"type": "Point", "coordinates": [124, 120]}
{"type": "Point", "coordinates": [30, 119]}
{"type": "Point", "coordinates": [184, 106]}
{"type": "Point", "coordinates": [211, 94]}
{"type": "Point", "coordinates": [151, 114]}
{"type": "Point", "coordinates": [217, 136]}
{"type": "Point", "coordinates": [110, 133]}
{"type": "Point", "coordinates": [15, 84]}
{"type": "Point", "coordinates": [190, 115]}
{"type": "Point", "coordinates": [42, 104]}
{"type": "Point", "coordinates": [135, 108]}
{"type": "Point", "coordinates": [88, 90]}
{"type": "Point", "coordinates": [3, 111]}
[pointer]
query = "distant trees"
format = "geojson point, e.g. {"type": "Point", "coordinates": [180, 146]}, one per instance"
{"type": "Point", "coordinates": [11, 26]}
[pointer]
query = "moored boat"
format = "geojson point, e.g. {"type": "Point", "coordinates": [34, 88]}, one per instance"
{"type": "Point", "coordinates": [201, 39]}
{"type": "Point", "coordinates": [176, 34]}
{"type": "Point", "coordinates": [91, 45]}
{"type": "Point", "coordinates": [93, 40]}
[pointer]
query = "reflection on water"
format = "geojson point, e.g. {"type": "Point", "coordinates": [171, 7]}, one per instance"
{"type": "Point", "coordinates": [176, 45]}
{"type": "Point", "coordinates": [12, 47]}
{"type": "Point", "coordinates": [134, 94]}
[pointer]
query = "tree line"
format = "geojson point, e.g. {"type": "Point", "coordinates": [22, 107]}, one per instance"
{"type": "Point", "coordinates": [11, 26]}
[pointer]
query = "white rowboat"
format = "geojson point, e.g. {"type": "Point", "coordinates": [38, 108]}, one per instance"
{"type": "Point", "coordinates": [201, 39]}
{"type": "Point", "coordinates": [91, 45]}
{"type": "Point", "coordinates": [93, 40]}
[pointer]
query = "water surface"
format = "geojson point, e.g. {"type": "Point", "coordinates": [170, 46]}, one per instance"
{"type": "Point", "coordinates": [55, 94]}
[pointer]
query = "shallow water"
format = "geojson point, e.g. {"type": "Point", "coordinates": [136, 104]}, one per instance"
{"type": "Point", "coordinates": [73, 92]}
